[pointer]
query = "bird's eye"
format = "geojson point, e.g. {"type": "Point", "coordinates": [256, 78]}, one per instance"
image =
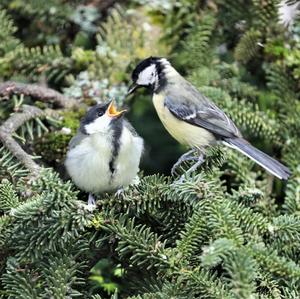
{"type": "Point", "coordinates": [100, 112]}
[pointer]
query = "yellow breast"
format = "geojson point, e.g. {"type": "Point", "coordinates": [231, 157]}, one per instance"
{"type": "Point", "coordinates": [182, 131]}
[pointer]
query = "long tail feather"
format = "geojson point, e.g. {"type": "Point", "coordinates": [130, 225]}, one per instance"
{"type": "Point", "coordinates": [268, 163]}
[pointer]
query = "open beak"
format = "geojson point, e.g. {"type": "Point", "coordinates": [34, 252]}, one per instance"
{"type": "Point", "coordinates": [132, 88]}
{"type": "Point", "coordinates": [112, 110]}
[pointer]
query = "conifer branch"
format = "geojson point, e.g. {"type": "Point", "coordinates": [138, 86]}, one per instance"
{"type": "Point", "coordinates": [11, 125]}
{"type": "Point", "coordinates": [41, 93]}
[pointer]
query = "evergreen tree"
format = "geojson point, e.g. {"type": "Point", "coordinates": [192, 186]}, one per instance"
{"type": "Point", "coordinates": [230, 230]}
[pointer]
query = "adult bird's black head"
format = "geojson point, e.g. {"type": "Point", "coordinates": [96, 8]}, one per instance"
{"type": "Point", "coordinates": [148, 73]}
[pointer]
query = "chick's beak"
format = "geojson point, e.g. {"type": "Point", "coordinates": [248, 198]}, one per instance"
{"type": "Point", "coordinates": [112, 110]}
{"type": "Point", "coordinates": [132, 88]}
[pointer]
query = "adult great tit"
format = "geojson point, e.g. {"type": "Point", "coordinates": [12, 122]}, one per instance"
{"type": "Point", "coordinates": [191, 118]}
{"type": "Point", "coordinates": [105, 153]}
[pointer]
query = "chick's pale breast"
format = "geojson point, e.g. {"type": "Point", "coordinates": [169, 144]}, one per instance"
{"type": "Point", "coordinates": [128, 159]}
{"type": "Point", "coordinates": [89, 162]}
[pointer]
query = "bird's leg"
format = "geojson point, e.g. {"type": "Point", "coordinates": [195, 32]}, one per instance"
{"type": "Point", "coordinates": [188, 156]}
{"type": "Point", "coordinates": [91, 202]}
{"type": "Point", "coordinates": [119, 193]}
{"type": "Point", "coordinates": [121, 190]}
{"type": "Point", "coordinates": [200, 160]}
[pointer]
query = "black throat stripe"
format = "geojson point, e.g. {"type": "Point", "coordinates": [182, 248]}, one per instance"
{"type": "Point", "coordinates": [117, 128]}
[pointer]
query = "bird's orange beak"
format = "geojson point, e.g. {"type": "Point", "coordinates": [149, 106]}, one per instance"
{"type": "Point", "coordinates": [112, 110]}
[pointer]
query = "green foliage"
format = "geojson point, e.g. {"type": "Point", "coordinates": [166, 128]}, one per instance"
{"type": "Point", "coordinates": [41, 20]}
{"type": "Point", "coordinates": [9, 166]}
{"type": "Point", "coordinates": [8, 196]}
{"type": "Point", "coordinates": [242, 270]}
{"type": "Point", "coordinates": [178, 23]}
{"type": "Point", "coordinates": [292, 202]}
{"type": "Point", "coordinates": [60, 274]}
{"type": "Point", "coordinates": [266, 11]}
{"type": "Point", "coordinates": [130, 236]}
{"type": "Point", "coordinates": [45, 61]}
{"type": "Point", "coordinates": [120, 40]}
{"type": "Point", "coordinates": [248, 46]}
{"type": "Point", "coordinates": [18, 282]}
{"type": "Point", "coordinates": [53, 146]}
{"type": "Point", "coordinates": [229, 230]}
{"type": "Point", "coordinates": [8, 41]}
{"type": "Point", "coordinates": [196, 47]}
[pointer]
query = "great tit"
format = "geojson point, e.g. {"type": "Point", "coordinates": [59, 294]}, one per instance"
{"type": "Point", "coordinates": [105, 153]}
{"type": "Point", "coordinates": [191, 118]}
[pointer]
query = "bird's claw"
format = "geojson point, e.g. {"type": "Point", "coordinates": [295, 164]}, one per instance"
{"type": "Point", "coordinates": [173, 170]}
{"type": "Point", "coordinates": [188, 156]}
{"type": "Point", "coordinates": [91, 202]}
{"type": "Point", "coordinates": [179, 181]}
{"type": "Point", "coordinates": [120, 192]}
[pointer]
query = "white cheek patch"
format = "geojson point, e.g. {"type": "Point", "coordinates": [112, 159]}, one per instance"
{"type": "Point", "coordinates": [99, 125]}
{"type": "Point", "coordinates": [147, 76]}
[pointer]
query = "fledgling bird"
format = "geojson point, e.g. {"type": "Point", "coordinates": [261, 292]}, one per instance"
{"type": "Point", "coordinates": [105, 153]}
{"type": "Point", "coordinates": [193, 119]}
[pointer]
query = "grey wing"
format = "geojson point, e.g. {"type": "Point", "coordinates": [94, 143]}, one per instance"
{"type": "Point", "coordinates": [76, 139]}
{"type": "Point", "coordinates": [196, 109]}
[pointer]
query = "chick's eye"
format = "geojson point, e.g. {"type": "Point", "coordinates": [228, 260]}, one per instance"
{"type": "Point", "coordinates": [100, 112]}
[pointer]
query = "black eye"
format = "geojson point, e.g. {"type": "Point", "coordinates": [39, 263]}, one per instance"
{"type": "Point", "coordinates": [100, 112]}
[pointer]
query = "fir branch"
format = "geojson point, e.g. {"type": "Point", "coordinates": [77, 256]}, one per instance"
{"type": "Point", "coordinates": [8, 41]}
{"type": "Point", "coordinates": [195, 233]}
{"type": "Point", "coordinates": [216, 252]}
{"type": "Point", "coordinates": [19, 282]}
{"type": "Point", "coordinates": [10, 166]}
{"type": "Point", "coordinates": [5, 234]}
{"type": "Point", "coordinates": [137, 241]}
{"type": "Point", "coordinates": [60, 274]}
{"type": "Point", "coordinates": [270, 261]}
{"type": "Point", "coordinates": [11, 125]}
{"type": "Point", "coordinates": [292, 199]}
{"type": "Point", "coordinates": [248, 46]}
{"type": "Point", "coordinates": [242, 269]}
{"type": "Point", "coordinates": [206, 285]}
{"type": "Point", "coordinates": [8, 196]}
{"type": "Point", "coordinates": [36, 62]}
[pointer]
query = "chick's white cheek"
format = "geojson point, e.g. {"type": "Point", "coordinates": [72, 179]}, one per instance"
{"type": "Point", "coordinates": [99, 125]}
{"type": "Point", "coordinates": [147, 76]}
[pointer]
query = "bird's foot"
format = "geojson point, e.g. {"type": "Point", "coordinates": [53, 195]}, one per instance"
{"type": "Point", "coordinates": [136, 181]}
{"type": "Point", "coordinates": [120, 192]}
{"type": "Point", "coordinates": [199, 162]}
{"type": "Point", "coordinates": [91, 202]}
{"type": "Point", "coordinates": [179, 181]}
{"type": "Point", "coordinates": [188, 156]}
{"type": "Point", "coordinates": [183, 177]}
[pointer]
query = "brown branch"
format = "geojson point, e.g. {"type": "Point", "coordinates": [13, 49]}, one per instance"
{"type": "Point", "coordinates": [38, 92]}
{"type": "Point", "coordinates": [11, 125]}
{"type": "Point", "coordinates": [18, 119]}
{"type": "Point", "coordinates": [103, 5]}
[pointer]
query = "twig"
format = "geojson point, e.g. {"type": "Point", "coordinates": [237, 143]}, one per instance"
{"type": "Point", "coordinates": [18, 119]}
{"type": "Point", "coordinates": [103, 5]}
{"type": "Point", "coordinates": [11, 125]}
{"type": "Point", "coordinates": [38, 92]}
